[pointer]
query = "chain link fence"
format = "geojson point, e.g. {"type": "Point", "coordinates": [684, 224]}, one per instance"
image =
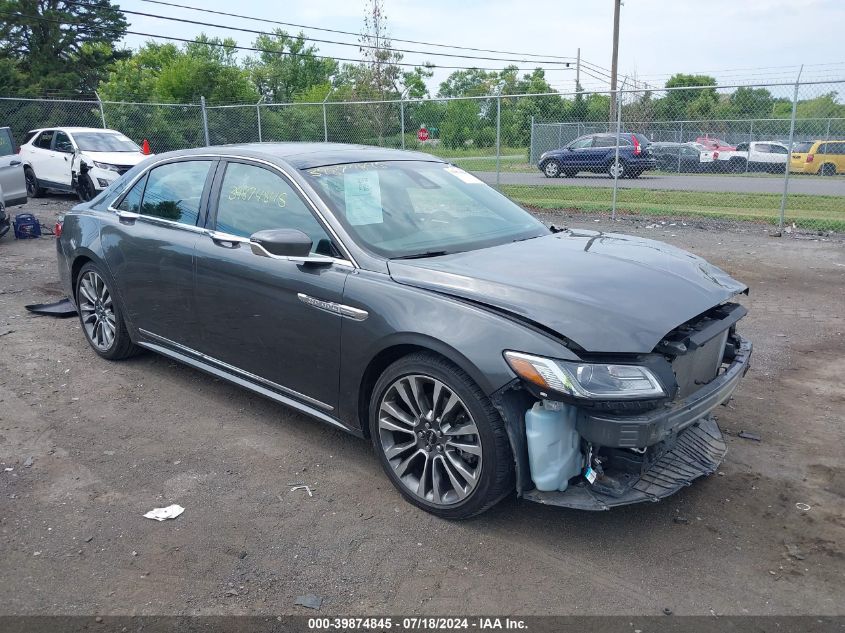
{"type": "Point", "coordinates": [672, 155]}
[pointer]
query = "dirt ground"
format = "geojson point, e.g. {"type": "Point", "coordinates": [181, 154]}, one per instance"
{"type": "Point", "coordinates": [110, 441]}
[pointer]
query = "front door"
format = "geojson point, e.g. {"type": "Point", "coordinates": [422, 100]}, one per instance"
{"type": "Point", "coordinates": [61, 160]}
{"type": "Point", "coordinates": [150, 249]}
{"type": "Point", "coordinates": [259, 315]}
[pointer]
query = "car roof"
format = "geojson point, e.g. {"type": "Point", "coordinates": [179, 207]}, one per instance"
{"type": "Point", "coordinates": [308, 155]}
{"type": "Point", "coordinates": [75, 129]}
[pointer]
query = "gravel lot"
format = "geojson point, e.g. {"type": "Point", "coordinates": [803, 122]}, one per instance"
{"type": "Point", "coordinates": [110, 441]}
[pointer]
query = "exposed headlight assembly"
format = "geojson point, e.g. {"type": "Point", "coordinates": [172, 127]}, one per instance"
{"type": "Point", "coordinates": [593, 381]}
{"type": "Point", "coordinates": [106, 166]}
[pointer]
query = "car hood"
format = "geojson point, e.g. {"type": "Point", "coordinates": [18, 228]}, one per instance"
{"type": "Point", "coordinates": [117, 158]}
{"type": "Point", "coordinates": [605, 292]}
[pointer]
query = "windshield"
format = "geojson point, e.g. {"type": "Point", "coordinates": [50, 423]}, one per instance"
{"type": "Point", "coordinates": [802, 147]}
{"type": "Point", "coordinates": [104, 142]}
{"type": "Point", "coordinates": [417, 208]}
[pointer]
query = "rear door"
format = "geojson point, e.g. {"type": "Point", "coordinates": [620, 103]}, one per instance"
{"type": "Point", "coordinates": [269, 319]}
{"type": "Point", "coordinates": [39, 153]}
{"type": "Point", "coordinates": [836, 155]}
{"type": "Point", "coordinates": [149, 247]}
{"type": "Point", "coordinates": [12, 181]}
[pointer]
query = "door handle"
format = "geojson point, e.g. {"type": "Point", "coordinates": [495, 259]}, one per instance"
{"type": "Point", "coordinates": [127, 217]}
{"type": "Point", "coordinates": [15, 163]}
{"type": "Point", "coordinates": [226, 240]}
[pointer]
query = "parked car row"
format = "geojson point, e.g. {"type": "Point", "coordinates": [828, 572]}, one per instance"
{"type": "Point", "coordinates": [597, 153]}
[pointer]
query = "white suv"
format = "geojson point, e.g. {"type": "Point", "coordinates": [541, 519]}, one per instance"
{"type": "Point", "coordinates": [84, 160]}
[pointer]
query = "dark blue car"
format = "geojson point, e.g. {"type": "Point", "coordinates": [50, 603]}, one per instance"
{"type": "Point", "coordinates": [597, 153]}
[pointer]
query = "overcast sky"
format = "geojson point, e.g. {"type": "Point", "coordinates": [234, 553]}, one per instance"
{"type": "Point", "coordinates": [737, 41]}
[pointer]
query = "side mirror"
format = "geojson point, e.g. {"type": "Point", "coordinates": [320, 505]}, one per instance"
{"type": "Point", "coordinates": [283, 242]}
{"type": "Point", "coordinates": [289, 244]}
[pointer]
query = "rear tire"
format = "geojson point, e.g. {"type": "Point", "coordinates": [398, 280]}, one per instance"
{"type": "Point", "coordinates": [617, 170]}
{"type": "Point", "coordinates": [828, 169]}
{"type": "Point", "coordinates": [551, 169]}
{"type": "Point", "coordinates": [416, 408]}
{"type": "Point", "coordinates": [33, 190]}
{"type": "Point", "coordinates": [100, 316]}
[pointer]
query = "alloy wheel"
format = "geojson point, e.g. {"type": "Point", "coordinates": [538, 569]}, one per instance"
{"type": "Point", "coordinates": [429, 439]}
{"type": "Point", "coordinates": [97, 310]}
{"type": "Point", "coordinates": [616, 170]}
{"type": "Point", "coordinates": [551, 169]}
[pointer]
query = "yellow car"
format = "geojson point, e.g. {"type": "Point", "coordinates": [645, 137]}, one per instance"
{"type": "Point", "coordinates": [818, 157]}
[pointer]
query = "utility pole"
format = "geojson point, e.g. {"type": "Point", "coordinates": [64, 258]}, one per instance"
{"type": "Point", "coordinates": [578, 72]}
{"type": "Point", "coordinates": [614, 64]}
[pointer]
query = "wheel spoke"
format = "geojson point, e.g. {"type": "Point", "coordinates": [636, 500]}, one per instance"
{"type": "Point", "coordinates": [402, 390]}
{"type": "Point", "coordinates": [395, 412]}
{"type": "Point", "coordinates": [86, 290]}
{"type": "Point", "coordinates": [465, 428]}
{"type": "Point", "coordinates": [455, 460]}
{"type": "Point", "coordinates": [451, 403]}
{"type": "Point", "coordinates": [389, 425]}
{"type": "Point", "coordinates": [472, 449]}
{"type": "Point", "coordinates": [425, 476]}
{"type": "Point", "coordinates": [457, 486]}
{"type": "Point", "coordinates": [398, 449]}
{"type": "Point", "coordinates": [418, 393]}
{"type": "Point", "coordinates": [402, 468]}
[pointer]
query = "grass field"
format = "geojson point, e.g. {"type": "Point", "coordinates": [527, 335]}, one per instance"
{"type": "Point", "coordinates": [806, 211]}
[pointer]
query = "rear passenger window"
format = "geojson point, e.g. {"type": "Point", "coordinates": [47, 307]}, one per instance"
{"type": "Point", "coordinates": [822, 149]}
{"type": "Point", "coordinates": [254, 199]}
{"type": "Point", "coordinates": [836, 148]}
{"type": "Point", "coordinates": [132, 200]}
{"type": "Point", "coordinates": [44, 139]}
{"type": "Point", "coordinates": [174, 191]}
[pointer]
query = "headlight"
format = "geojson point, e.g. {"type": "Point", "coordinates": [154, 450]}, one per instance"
{"type": "Point", "coordinates": [594, 381]}
{"type": "Point", "coordinates": [106, 166]}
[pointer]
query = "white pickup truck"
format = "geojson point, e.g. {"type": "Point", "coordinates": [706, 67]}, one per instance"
{"type": "Point", "coordinates": [768, 156]}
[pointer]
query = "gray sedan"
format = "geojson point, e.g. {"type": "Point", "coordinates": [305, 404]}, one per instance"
{"type": "Point", "coordinates": [399, 298]}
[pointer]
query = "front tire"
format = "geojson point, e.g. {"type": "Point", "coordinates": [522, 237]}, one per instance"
{"type": "Point", "coordinates": [438, 437]}
{"type": "Point", "coordinates": [551, 169]}
{"type": "Point", "coordinates": [99, 314]}
{"type": "Point", "coordinates": [85, 188]}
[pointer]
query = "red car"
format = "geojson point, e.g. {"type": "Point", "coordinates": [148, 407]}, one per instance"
{"type": "Point", "coordinates": [715, 144]}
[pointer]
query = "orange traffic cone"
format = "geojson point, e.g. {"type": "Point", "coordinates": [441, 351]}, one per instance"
{"type": "Point", "coordinates": [145, 148]}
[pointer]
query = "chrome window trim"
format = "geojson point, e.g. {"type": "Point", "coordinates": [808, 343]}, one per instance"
{"type": "Point", "coordinates": [349, 260]}
{"type": "Point", "coordinates": [236, 370]}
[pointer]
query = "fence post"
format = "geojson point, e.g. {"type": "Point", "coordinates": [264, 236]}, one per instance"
{"type": "Point", "coordinates": [498, 138]}
{"type": "Point", "coordinates": [680, 149]}
{"type": "Point", "coordinates": [531, 142]}
{"type": "Point", "coordinates": [258, 114]}
{"type": "Point", "coordinates": [791, 139]}
{"type": "Point", "coordinates": [103, 114]}
{"type": "Point", "coordinates": [325, 125]}
{"type": "Point", "coordinates": [402, 117]}
{"type": "Point", "coordinates": [751, 140]}
{"type": "Point", "coordinates": [618, 102]}
{"type": "Point", "coordinates": [204, 121]}
{"type": "Point", "coordinates": [826, 135]}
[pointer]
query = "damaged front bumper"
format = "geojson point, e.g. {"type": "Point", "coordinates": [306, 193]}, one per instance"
{"type": "Point", "coordinates": [648, 456]}
{"type": "Point", "coordinates": [697, 452]}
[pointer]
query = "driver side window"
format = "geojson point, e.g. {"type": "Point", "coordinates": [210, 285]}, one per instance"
{"type": "Point", "coordinates": [63, 143]}
{"type": "Point", "coordinates": [254, 199]}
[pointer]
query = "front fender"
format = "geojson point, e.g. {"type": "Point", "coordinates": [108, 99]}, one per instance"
{"type": "Point", "coordinates": [467, 334]}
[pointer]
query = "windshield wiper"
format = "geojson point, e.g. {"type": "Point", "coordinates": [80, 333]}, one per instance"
{"type": "Point", "coordinates": [422, 255]}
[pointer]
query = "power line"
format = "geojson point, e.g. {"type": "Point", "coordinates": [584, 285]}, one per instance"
{"type": "Point", "coordinates": [321, 41]}
{"type": "Point", "coordinates": [327, 30]}
{"type": "Point", "coordinates": [249, 48]}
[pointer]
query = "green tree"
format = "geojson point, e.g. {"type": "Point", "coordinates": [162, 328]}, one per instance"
{"type": "Point", "coordinates": [61, 46]}
{"type": "Point", "coordinates": [691, 103]}
{"type": "Point", "coordinates": [286, 67]}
